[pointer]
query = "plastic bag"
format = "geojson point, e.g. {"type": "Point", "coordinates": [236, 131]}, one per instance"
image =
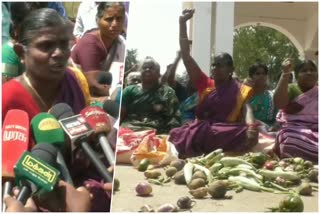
{"type": "Point", "coordinates": [135, 146]}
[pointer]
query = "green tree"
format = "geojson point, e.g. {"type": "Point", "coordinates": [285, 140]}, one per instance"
{"type": "Point", "coordinates": [263, 44]}
{"type": "Point", "coordinates": [131, 59]}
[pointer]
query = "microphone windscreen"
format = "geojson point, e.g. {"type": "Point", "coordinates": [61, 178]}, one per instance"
{"type": "Point", "coordinates": [112, 108]}
{"type": "Point", "coordinates": [47, 153]}
{"type": "Point", "coordinates": [15, 140]}
{"type": "Point", "coordinates": [61, 111]}
{"type": "Point", "coordinates": [46, 129]}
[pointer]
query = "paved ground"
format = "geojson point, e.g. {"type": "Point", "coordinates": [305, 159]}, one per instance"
{"type": "Point", "coordinates": [246, 201]}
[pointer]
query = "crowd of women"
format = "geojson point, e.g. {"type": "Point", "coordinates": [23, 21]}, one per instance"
{"type": "Point", "coordinates": [200, 114]}
{"type": "Point", "coordinates": [206, 112]}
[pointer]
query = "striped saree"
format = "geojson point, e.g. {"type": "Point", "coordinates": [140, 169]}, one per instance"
{"type": "Point", "coordinates": [298, 136]}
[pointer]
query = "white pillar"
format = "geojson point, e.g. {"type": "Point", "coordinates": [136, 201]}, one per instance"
{"type": "Point", "coordinates": [201, 35]}
{"type": "Point", "coordinates": [224, 27]}
{"type": "Point", "coordinates": [311, 54]}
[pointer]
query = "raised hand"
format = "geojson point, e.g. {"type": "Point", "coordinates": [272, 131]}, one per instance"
{"type": "Point", "coordinates": [186, 15]}
{"type": "Point", "coordinates": [178, 54]}
{"type": "Point", "coordinates": [287, 65]}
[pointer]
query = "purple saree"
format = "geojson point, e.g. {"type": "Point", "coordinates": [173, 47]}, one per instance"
{"type": "Point", "coordinates": [298, 136]}
{"type": "Point", "coordinates": [218, 123]}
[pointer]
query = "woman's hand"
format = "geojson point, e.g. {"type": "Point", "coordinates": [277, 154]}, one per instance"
{"type": "Point", "coordinates": [13, 205]}
{"type": "Point", "coordinates": [287, 66]}
{"type": "Point", "coordinates": [77, 200]}
{"type": "Point", "coordinates": [108, 186]}
{"type": "Point", "coordinates": [252, 136]}
{"type": "Point", "coordinates": [186, 15]}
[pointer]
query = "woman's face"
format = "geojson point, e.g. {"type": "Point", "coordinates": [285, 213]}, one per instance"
{"type": "Point", "coordinates": [149, 74]}
{"type": "Point", "coordinates": [47, 53]}
{"type": "Point", "coordinates": [221, 72]}
{"type": "Point", "coordinates": [111, 23]}
{"type": "Point", "coordinates": [307, 76]}
{"type": "Point", "coordinates": [260, 77]}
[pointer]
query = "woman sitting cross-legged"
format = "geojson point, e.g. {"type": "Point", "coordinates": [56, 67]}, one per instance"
{"type": "Point", "coordinates": [150, 105]}
{"type": "Point", "coordinates": [298, 115]}
{"type": "Point", "coordinates": [224, 119]}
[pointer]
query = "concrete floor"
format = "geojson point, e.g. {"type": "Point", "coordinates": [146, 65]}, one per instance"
{"type": "Point", "coordinates": [125, 200]}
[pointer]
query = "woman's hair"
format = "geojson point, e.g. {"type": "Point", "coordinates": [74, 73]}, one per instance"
{"type": "Point", "coordinates": [104, 5]}
{"type": "Point", "coordinates": [154, 62]}
{"type": "Point", "coordinates": [18, 11]}
{"type": "Point", "coordinates": [223, 58]}
{"type": "Point", "coordinates": [36, 20]}
{"type": "Point", "coordinates": [303, 63]}
{"type": "Point", "coordinates": [253, 68]}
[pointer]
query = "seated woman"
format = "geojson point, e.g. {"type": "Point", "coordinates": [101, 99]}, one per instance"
{"type": "Point", "coordinates": [102, 49]}
{"type": "Point", "coordinates": [47, 80]}
{"type": "Point", "coordinates": [150, 105]}
{"type": "Point", "coordinates": [43, 47]}
{"type": "Point", "coordinates": [262, 99]}
{"type": "Point", "coordinates": [222, 100]}
{"type": "Point", "coordinates": [186, 94]}
{"type": "Point", "coordinates": [298, 115]}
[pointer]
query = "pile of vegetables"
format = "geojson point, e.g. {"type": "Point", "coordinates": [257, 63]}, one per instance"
{"type": "Point", "coordinates": [215, 174]}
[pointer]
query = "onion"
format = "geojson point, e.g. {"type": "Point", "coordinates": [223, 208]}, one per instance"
{"type": "Point", "coordinates": [185, 203]}
{"type": "Point", "coordinates": [143, 189]}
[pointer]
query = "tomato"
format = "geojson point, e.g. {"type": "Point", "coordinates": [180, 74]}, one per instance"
{"type": "Point", "coordinates": [269, 165]}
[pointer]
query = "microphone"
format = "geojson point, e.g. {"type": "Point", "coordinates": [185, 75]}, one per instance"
{"type": "Point", "coordinates": [15, 140]}
{"type": "Point", "coordinates": [104, 78]}
{"type": "Point", "coordinates": [35, 172]}
{"type": "Point", "coordinates": [61, 110]}
{"type": "Point", "coordinates": [46, 129]}
{"type": "Point", "coordinates": [112, 108]}
{"type": "Point", "coordinates": [78, 131]}
{"type": "Point", "coordinates": [100, 122]}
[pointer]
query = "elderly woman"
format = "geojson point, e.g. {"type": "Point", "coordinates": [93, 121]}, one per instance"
{"type": "Point", "coordinates": [150, 105]}
{"type": "Point", "coordinates": [99, 49]}
{"type": "Point", "coordinates": [224, 120]}
{"type": "Point", "coordinates": [43, 46]}
{"type": "Point", "coordinates": [298, 104]}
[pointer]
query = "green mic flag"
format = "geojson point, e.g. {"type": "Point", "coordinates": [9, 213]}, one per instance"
{"type": "Point", "coordinates": [46, 129]}
{"type": "Point", "coordinates": [37, 171]}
